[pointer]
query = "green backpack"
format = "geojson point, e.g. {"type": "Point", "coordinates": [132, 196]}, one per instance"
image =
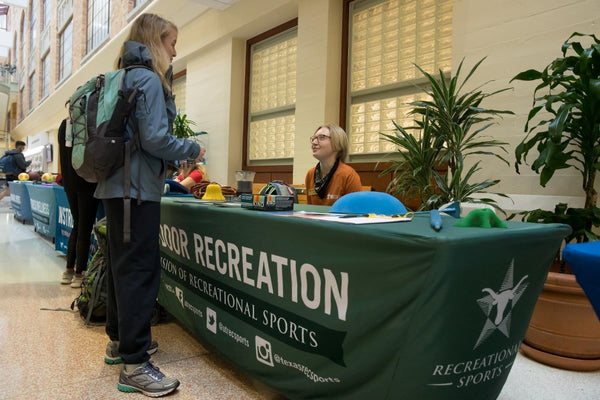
{"type": "Point", "coordinates": [98, 113]}
{"type": "Point", "coordinates": [91, 302]}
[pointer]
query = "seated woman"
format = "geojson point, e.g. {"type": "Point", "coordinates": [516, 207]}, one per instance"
{"type": "Point", "coordinates": [331, 178]}
{"type": "Point", "coordinates": [191, 173]}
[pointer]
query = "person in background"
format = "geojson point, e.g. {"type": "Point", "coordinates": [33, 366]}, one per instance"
{"type": "Point", "coordinates": [331, 178]}
{"type": "Point", "coordinates": [19, 165]}
{"type": "Point", "coordinates": [191, 173]}
{"type": "Point", "coordinates": [84, 207]}
{"type": "Point", "coordinates": [133, 274]}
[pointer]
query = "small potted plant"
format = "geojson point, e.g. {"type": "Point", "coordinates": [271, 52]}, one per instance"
{"type": "Point", "coordinates": [451, 123]}
{"type": "Point", "coordinates": [182, 126]}
{"type": "Point", "coordinates": [563, 127]}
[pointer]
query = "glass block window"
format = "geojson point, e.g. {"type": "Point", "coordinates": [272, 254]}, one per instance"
{"type": "Point", "coordinates": [179, 92]}
{"type": "Point", "coordinates": [66, 52]}
{"type": "Point", "coordinates": [272, 108]}
{"type": "Point", "coordinates": [45, 76]}
{"type": "Point", "coordinates": [385, 38]}
{"type": "Point", "coordinates": [98, 23]}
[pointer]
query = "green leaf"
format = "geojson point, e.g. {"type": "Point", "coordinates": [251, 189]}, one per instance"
{"type": "Point", "coordinates": [529, 75]}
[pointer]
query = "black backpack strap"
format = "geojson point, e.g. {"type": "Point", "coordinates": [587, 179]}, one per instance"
{"type": "Point", "coordinates": [127, 168]}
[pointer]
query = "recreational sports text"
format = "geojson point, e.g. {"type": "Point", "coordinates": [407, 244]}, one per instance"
{"type": "Point", "coordinates": [315, 288]}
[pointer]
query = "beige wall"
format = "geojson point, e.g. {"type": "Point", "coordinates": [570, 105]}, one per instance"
{"type": "Point", "coordinates": [209, 96]}
{"type": "Point", "coordinates": [514, 35]}
{"type": "Point", "coordinates": [318, 75]}
{"type": "Point", "coordinates": [212, 49]}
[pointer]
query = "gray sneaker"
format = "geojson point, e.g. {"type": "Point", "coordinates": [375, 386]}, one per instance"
{"type": "Point", "coordinates": [112, 352]}
{"type": "Point", "coordinates": [148, 380]}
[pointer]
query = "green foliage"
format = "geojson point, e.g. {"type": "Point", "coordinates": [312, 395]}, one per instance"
{"type": "Point", "coordinates": [568, 135]}
{"type": "Point", "coordinates": [413, 174]}
{"type": "Point", "coordinates": [182, 126]}
{"type": "Point", "coordinates": [451, 124]}
{"type": "Point", "coordinates": [579, 219]}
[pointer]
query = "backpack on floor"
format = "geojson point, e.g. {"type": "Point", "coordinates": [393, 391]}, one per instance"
{"type": "Point", "coordinates": [91, 302]}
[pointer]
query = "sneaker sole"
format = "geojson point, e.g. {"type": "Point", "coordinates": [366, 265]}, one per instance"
{"type": "Point", "coordinates": [131, 389]}
{"type": "Point", "coordinates": [113, 361]}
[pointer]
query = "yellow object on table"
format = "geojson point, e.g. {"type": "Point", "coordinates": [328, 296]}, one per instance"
{"type": "Point", "coordinates": [214, 193]}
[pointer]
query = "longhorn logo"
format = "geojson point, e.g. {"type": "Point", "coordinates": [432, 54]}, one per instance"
{"type": "Point", "coordinates": [502, 301]}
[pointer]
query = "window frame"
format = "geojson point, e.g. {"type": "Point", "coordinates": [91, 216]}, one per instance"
{"type": "Point", "coordinates": [265, 173]}
{"type": "Point", "coordinates": [46, 13]}
{"type": "Point", "coordinates": [367, 165]}
{"type": "Point", "coordinates": [32, 80]}
{"type": "Point", "coordinates": [92, 41]}
{"type": "Point", "coordinates": [176, 77]}
{"type": "Point", "coordinates": [398, 88]}
{"type": "Point", "coordinates": [61, 53]}
{"type": "Point", "coordinates": [33, 22]}
{"type": "Point", "coordinates": [45, 76]}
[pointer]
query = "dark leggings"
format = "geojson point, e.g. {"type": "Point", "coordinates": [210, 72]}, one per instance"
{"type": "Point", "coordinates": [84, 207]}
{"type": "Point", "coordinates": [133, 277]}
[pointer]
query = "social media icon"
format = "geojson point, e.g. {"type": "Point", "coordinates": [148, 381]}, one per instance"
{"type": "Point", "coordinates": [179, 295]}
{"type": "Point", "coordinates": [264, 353]}
{"type": "Point", "coordinates": [211, 320]}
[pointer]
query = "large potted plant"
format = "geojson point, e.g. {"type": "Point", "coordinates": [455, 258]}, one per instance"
{"type": "Point", "coordinates": [563, 127]}
{"type": "Point", "coordinates": [447, 130]}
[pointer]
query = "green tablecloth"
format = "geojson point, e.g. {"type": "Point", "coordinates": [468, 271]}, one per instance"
{"type": "Point", "coordinates": [324, 310]}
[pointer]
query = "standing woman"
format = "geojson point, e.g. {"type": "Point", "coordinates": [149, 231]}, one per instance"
{"type": "Point", "coordinates": [331, 178]}
{"type": "Point", "coordinates": [134, 267]}
{"type": "Point", "coordinates": [84, 207]}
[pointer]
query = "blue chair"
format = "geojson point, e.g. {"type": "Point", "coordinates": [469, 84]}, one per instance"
{"type": "Point", "coordinates": [584, 259]}
{"type": "Point", "coordinates": [174, 188]}
{"type": "Point", "coordinates": [368, 202]}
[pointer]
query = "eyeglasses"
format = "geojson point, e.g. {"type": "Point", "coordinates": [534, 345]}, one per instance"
{"type": "Point", "coordinates": [320, 138]}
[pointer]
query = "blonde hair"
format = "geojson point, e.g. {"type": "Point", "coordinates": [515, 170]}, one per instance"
{"type": "Point", "coordinates": [339, 140]}
{"type": "Point", "coordinates": [150, 30]}
{"type": "Point", "coordinates": [202, 169]}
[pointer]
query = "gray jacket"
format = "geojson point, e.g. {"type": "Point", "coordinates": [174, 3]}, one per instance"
{"type": "Point", "coordinates": [153, 117]}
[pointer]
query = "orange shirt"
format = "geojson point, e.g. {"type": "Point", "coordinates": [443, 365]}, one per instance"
{"type": "Point", "coordinates": [344, 180]}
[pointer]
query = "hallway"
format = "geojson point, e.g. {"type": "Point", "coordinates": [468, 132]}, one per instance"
{"type": "Point", "coordinates": [46, 352]}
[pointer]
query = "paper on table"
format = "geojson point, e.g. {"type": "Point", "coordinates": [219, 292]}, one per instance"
{"type": "Point", "coordinates": [351, 219]}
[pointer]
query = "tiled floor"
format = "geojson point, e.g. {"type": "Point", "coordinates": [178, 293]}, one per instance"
{"type": "Point", "coordinates": [47, 352]}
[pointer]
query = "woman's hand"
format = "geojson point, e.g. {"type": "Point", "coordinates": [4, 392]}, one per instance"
{"type": "Point", "coordinates": [200, 157]}
{"type": "Point", "coordinates": [186, 169]}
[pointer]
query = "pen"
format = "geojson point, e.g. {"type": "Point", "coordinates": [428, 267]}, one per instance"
{"type": "Point", "coordinates": [435, 220]}
{"type": "Point", "coordinates": [354, 215]}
